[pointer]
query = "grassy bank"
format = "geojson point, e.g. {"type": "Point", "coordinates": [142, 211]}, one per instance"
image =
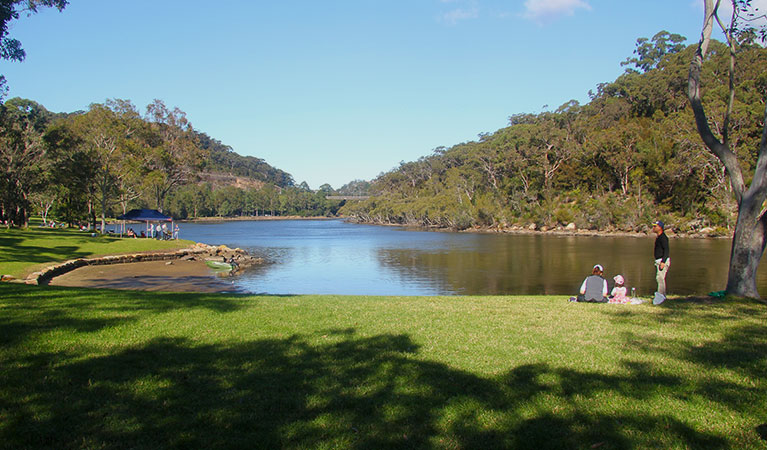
{"type": "Point", "coordinates": [25, 251]}
{"type": "Point", "coordinates": [102, 369]}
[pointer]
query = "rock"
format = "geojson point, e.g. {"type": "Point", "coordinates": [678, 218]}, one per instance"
{"type": "Point", "coordinates": [532, 227]}
{"type": "Point", "coordinates": [571, 227]}
{"type": "Point", "coordinates": [693, 224]}
{"type": "Point", "coordinates": [169, 263]}
{"type": "Point", "coordinates": [707, 230]}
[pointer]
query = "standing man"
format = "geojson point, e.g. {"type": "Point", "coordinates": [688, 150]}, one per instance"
{"type": "Point", "coordinates": [662, 260]}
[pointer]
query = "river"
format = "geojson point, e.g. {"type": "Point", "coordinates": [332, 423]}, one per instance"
{"type": "Point", "coordinates": [335, 257]}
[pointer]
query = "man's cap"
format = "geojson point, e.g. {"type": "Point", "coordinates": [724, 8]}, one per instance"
{"type": "Point", "coordinates": [659, 223]}
{"type": "Point", "coordinates": [599, 267]}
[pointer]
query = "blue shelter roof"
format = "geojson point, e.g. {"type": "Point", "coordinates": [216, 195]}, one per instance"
{"type": "Point", "coordinates": [145, 215]}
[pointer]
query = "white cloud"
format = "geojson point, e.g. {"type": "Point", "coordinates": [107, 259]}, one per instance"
{"type": "Point", "coordinates": [462, 10]}
{"type": "Point", "coordinates": [459, 14]}
{"type": "Point", "coordinates": [546, 10]}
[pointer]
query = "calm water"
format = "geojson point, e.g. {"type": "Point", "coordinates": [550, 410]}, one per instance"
{"type": "Point", "coordinates": [334, 257]}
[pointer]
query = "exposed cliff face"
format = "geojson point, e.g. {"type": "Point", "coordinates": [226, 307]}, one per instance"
{"type": "Point", "coordinates": [218, 180]}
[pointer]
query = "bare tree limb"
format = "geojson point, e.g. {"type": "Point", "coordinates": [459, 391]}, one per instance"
{"type": "Point", "coordinates": [720, 149]}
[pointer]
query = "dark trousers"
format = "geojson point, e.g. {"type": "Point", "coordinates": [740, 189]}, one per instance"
{"type": "Point", "coordinates": [582, 298]}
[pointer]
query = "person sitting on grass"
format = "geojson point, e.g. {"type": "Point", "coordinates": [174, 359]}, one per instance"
{"type": "Point", "coordinates": [594, 287]}
{"type": "Point", "coordinates": [618, 294]}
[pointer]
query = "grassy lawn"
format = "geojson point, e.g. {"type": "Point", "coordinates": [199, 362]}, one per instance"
{"type": "Point", "coordinates": [117, 369]}
{"type": "Point", "coordinates": [25, 251]}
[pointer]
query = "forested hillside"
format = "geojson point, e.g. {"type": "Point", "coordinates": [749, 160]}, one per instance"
{"type": "Point", "coordinates": [632, 154]}
{"type": "Point", "coordinates": [75, 167]}
{"type": "Point", "coordinates": [223, 160]}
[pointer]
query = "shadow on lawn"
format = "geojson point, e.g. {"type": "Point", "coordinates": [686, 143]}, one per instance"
{"type": "Point", "coordinates": [333, 389]}
{"type": "Point", "coordinates": [39, 255]}
{"type": "Point", "coordinates": [63, 308]}
{"type": "Point", "coordinates": [13, 247]}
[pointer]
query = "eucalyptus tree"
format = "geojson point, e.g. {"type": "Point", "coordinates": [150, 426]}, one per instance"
{"type": "Point", "coordinates": [73, 172]}
{"type": "Point", "coordinates": [22, 157]}
{"type": "Point", "coordinates": [650, 52]}
{"type": "Point", "coordinates": [543, 145]}
{"type": "Point", "coordinates": [108, 133]}
{"type": "Point", "coordinates": [618, 145]}
{"type": "Point", "coordinates": [750, 237]}
{"type": "Point", "coordinates": [174, 155]}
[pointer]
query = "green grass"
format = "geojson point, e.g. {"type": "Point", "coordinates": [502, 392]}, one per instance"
{"type": "Point", "coordinates": [86, 368]}
{"type": "Point", "coordinates": [25, 251]}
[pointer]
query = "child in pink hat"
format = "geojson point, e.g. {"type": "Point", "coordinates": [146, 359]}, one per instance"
{"type": "Point", "coordinates": [618, 294]}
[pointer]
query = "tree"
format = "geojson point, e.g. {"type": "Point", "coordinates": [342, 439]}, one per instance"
{"type": "Point", "coordinates": [618, 146]}
{"type": "Point", "coordinates": [175, 154]}
{"type": "Point", "coordinates": [650, 52]}
{"type": "Point", "coordinates": [750, 237]}
{"type": "Point", "coordinates": [74, 171]}
{"type": "Point", "coordinates": [22, 156]}
{"type": "Point", "coordinates": [107, 135]}
{"type": "Point", "coordinates": [10, 10]}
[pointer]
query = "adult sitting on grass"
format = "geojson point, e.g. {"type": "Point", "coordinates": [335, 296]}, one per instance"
{"type": "Point", "coordinates": [594, 287]}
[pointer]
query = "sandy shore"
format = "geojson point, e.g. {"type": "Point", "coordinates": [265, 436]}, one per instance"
{"type": "Point", "coordinates": [175, 276]}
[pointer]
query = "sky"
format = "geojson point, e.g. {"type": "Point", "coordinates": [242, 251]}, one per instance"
{"type": "Point", "coordinates": [336, 90]}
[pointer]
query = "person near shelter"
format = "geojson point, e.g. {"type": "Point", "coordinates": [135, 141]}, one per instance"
{"type": "Point", "coordinates": [594, 288]}
{"type": "Point", "coordinates": [661, 254]}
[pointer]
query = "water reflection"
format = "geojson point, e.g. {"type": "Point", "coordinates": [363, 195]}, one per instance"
{"type": "Point", "coordinates": [333, 257]}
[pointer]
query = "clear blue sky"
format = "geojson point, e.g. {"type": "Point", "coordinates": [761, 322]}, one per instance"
{"type": "Point", "coordinates": [336, 90]}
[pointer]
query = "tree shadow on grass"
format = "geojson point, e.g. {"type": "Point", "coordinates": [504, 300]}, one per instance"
{"type": "Point", "coordinates": [63, 308]}
{"type": "Point", "coordinates": [19, 246]}
{"type": "Point", "coordinates": [38, 255]}
{"type": "Point", "coordinates": [335, 389]}
{"type": "Point", "coordinates": [16, 247]}
{"type": "Point", "coordinates": [727, 346]}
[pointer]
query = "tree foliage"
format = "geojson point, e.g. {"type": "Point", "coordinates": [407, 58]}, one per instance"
{"type": "Point", "coordinates": [631, 154]}
{"type": "Point", "coordinates": [223, 159]}
{"type": "Point", "coordinates": [22, 157]}
{"type": "Point", "coordinates": [101, 162]}
{"type": "Point", "coordinates": [650, 52]}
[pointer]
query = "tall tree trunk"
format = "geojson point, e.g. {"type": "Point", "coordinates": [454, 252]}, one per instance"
{"type": "Point", "coordinates": [749, 240]}
{"type": "Point", "coordinates": [748, 245]}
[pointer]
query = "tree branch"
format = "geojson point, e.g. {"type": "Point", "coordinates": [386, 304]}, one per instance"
{"type": "Point", "coordinates": [721, 150]}
{"type": "Point", "coordinates": [759, 184]}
